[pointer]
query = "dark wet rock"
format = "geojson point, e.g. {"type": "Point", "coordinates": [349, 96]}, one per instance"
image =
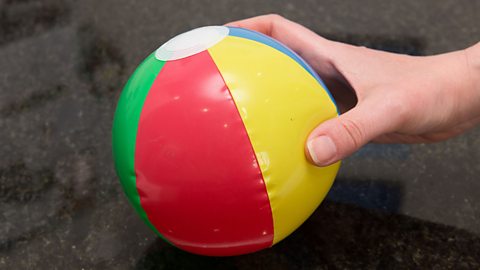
{"type": "Point", "coordinates": [20, 19]}
{"type": "Point", "coordinates": [62, 67]}
{"type": "Point", "coordinates": [102, 64]}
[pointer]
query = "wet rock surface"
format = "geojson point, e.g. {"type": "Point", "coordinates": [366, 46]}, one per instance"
{"type": "Point", "coordinates": [63, 64]}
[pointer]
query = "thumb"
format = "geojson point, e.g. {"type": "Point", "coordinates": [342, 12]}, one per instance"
{"type": "Point", "coordinates": [338, 138]}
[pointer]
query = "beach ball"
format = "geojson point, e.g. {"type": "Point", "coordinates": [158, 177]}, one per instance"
{"type": "Point", "coordinates": [209, 136]}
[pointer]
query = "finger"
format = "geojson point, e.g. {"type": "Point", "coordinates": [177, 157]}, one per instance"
{"type": "Point", "coordinates": [338, 138]}
{"type": "Point", "coordinates": [295, 36]}
{"type": "Point", "coordinates": [262, 24]}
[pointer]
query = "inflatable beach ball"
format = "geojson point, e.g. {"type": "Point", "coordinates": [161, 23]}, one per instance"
{"type": "Point", "coordinates": [209, 137]}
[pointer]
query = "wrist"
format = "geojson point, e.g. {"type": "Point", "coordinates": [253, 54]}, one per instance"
{"type": "Point", "coordinates": [472, 55]}
{"type": "Point", "coordinates": [472, 59]}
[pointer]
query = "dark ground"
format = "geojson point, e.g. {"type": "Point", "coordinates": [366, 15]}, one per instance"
{"type": "Point", "coordinates": [63, 64]}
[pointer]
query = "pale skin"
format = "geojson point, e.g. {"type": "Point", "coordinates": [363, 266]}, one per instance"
{"type": "Point", "coordinates": [384, 97]}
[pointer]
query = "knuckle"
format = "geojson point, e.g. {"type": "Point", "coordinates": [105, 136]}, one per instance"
{"type": "Point", "coordinates": [398, 107]}
{"type": "Point", "coordinates": [274, 16]}
{"type": "Point", "coordinates": [354, 131]}
{"type": "Point", "coordinates": [273, 21]}
{"type": "Point", "coordinates": [402, 108]}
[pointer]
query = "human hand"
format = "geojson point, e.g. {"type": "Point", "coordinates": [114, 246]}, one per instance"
{"type": "Point", "coordinates": [384, 97]}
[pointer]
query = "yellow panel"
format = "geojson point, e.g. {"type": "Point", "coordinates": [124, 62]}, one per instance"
{"type": "Point", "coordinates": [280, 104]}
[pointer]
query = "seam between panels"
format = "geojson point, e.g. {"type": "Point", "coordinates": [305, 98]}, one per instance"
{"type": "Point", "coordinates": [148, 220]}
{"type": "Point", "coordinates": [251, 144]}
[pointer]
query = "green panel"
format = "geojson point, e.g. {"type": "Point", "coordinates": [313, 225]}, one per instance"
{"type": "Point", "coordinates": [125, 126]}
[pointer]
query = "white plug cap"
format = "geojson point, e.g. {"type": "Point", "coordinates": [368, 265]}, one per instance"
{"type": "Point", "coordinates": [191, 42]}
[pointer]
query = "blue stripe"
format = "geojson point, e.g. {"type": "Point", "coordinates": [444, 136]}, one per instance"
{"type": "Point", "coordinates": [259, 37]}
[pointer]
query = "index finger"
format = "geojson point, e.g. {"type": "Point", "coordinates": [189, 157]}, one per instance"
{"type": "Point", "coordinates": [294, 35]}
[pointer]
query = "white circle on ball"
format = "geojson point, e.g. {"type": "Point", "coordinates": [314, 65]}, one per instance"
{"type": "Point", "coordinates": [191, 42]}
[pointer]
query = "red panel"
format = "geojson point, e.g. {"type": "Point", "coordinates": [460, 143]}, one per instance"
{"type": "Point", "coordinates": [197, 175]}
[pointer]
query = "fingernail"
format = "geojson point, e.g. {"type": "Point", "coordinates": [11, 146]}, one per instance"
{"type": "Point", "coordinates": [321, 149]}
